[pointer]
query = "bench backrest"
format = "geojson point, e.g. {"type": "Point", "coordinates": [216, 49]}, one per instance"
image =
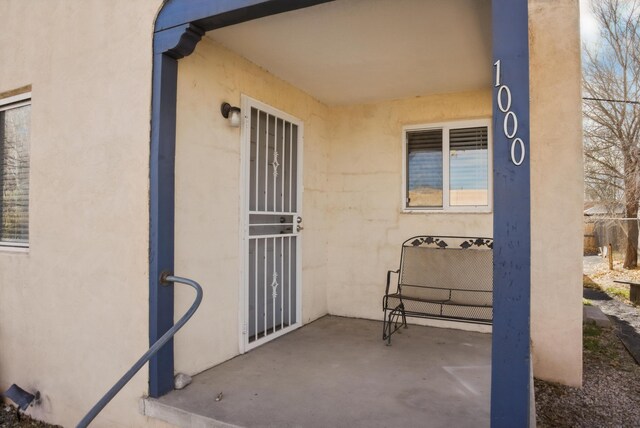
{"type": "Point", "coordinates": [431, 266]}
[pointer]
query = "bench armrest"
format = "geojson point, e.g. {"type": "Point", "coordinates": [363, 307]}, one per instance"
{"type": "Point", "coordinates": [389, 280]}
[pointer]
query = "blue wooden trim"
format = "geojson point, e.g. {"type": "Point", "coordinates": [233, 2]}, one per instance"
{"type": "Point", "coordinates": [177, 42]}
{"type": "Point", "coordinates": [511, 224]}
{"type": "Point", "coordinates": [168, 47]}
{"type": "Point", "coordinates": [211, 14]}
{"type": "Point", "coordinates": [161, 219]}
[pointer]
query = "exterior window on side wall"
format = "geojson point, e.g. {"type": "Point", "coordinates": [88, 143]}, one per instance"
{"type": "Point", "coordinates": [15, 132]}
{"type": "Point", "coordinates": [448, 167]}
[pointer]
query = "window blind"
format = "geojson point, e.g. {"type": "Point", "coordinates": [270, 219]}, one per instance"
{"type": "Point", "coordinates": [469, 138]}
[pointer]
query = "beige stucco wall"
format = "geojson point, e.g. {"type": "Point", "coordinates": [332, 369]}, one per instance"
{"type": "Point", "coordinates": [208, 197]}
{"type": "Point", "coordinates": [352, 203]}
{"type": "Point", "coordinates": [74, 308]}
{"type": "Point", "coordinates": [353, 174]}
{"type": "Point", "coordinates": [556, 190]}
{"type": "Point", "coordinates": [365, 194]}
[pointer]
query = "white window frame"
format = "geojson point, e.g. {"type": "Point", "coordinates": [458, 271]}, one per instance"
{"type": "Point", "coordinates": [445, 127]}
{"type": "Point", "coordinates": [10, 103]}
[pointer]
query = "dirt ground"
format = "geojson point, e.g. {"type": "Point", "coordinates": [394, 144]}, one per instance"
{"type": "Point", "coordinates": [9, 419]}
{"type": "Point", "coordinates": [610, 396]}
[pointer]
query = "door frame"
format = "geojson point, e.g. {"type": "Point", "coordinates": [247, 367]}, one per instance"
{"type": "Point", "coordinates": [246, 103]}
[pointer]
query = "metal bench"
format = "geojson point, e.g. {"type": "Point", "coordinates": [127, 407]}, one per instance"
{"type": "Point", "coordinates": [634, 291]}
{"type": "Point", "coordinates": [441, 277]}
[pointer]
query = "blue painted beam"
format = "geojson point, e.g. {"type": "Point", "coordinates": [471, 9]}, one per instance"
{"type": "Point", "coordinates": [511, 221]}
{"type": "Point", "coordinates": [211, 14]}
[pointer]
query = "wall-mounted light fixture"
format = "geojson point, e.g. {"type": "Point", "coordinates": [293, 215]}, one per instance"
{"type": "Point", "coordinates": [231, 113]}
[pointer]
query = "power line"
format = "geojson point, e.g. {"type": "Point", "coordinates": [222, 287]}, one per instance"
{"type": "Point", "coordinates": [611, 101]}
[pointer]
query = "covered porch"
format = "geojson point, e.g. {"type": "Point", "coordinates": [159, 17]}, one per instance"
{"type": "Point", "coordinates": [358, 77]}
{"type": "Point", "coordinates": [336, 372]}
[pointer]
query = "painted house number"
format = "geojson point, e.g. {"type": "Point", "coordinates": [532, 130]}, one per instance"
{"type": "Point", "coordinates": [510, 122]}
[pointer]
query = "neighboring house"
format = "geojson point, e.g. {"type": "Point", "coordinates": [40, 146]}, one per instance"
{"type": "Point", "coordinates": [97, 96]}
{"type": "Point", "coordinates": [598, 210]}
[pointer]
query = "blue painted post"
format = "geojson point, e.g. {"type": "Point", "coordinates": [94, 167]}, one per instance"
{"type": "Point", "coordinates": [511, 222]}
{"type": "Point", "coordinates": [161, 228]}
{"type": "Point", "coordinates": [169, 46]}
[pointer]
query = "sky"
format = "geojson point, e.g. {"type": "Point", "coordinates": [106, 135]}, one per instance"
{"type": "Point", "coordinates": [588, 24]}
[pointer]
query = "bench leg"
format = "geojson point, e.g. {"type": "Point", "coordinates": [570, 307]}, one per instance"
{"type": "Point", "coordinates": [390, 322]}
{"type": "Point", "coordinates": [390, 332]}
{"type": "Point", "coordinates": [386, 326]}
{"type": "Point", "coordinates": [404, 317]}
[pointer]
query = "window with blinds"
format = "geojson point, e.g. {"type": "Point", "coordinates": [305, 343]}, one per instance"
{"type": "Point", "coordinates": [447, 166]}
{"type": "Point", "coordinates": [15, 127]}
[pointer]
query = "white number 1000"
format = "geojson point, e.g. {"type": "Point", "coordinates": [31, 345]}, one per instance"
{"type": "Point", "coordinates": [510, 121]}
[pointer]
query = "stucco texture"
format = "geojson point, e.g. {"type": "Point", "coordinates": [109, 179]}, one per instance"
{"type": "Point", "coordinates": [74, 307]}
{"type": "Point", "coordinates": [208, 198]}
{"type": "Point", "coordinates": [556, 190]}
{"type": "Point", "coordinates": [365, 196]}
{"type": "Point", "coordinates": [354, 222]}
{"type": "Point", "coordinates": [352, 173]}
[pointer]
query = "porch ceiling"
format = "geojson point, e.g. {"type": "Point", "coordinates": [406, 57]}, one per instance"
{"type": "Point", "coordinates": [357, 51]}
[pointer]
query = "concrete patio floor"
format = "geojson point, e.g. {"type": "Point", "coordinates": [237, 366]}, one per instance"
{"type": "Point", "coordinates": [337, 372]}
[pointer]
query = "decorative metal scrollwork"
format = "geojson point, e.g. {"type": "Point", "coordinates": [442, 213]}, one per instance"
{"type": "Point", "coordinates": [274, 285]}
{"type": "Point", "coordinates": [440, 243]}
{"type": "Point", "coordinates": [275, 164]}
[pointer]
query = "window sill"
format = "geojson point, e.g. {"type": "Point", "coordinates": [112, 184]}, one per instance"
{"type": "Point", "coordinates": [13, 249]}
{"type": "Point", "coordinates": [450, 211]}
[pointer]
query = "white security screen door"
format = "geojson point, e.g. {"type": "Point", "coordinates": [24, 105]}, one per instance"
{"type": "Point", "coordinates": [272, 155]}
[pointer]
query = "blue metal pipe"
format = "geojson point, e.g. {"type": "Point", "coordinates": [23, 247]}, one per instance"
{"type": "Point", "coordinates": [147, 355]}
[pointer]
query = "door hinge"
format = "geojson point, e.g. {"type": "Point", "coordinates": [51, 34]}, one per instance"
{"type": "Point", "coordinates": [244, 328]}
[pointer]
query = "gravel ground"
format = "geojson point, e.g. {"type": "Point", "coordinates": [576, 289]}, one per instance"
{"type": "Point", "coordinates": [9, 419]}
{"type": "Point", "coordinates": [610, 395]}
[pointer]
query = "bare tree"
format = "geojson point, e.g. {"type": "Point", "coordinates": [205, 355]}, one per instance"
{"type": "Point", "coordinates": [611, 84]}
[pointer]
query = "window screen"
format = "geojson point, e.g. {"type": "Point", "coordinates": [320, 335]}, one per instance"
{"type": "Point", "coordinates": [424, 168]}
{"type": "Point", "coordinates": [14, 174]}
{"type": "Point", "coordinates": [468, 166]}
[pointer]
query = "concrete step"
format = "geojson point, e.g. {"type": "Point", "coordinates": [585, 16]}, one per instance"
{"type": "Point", "coordinates": [593, 315]}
